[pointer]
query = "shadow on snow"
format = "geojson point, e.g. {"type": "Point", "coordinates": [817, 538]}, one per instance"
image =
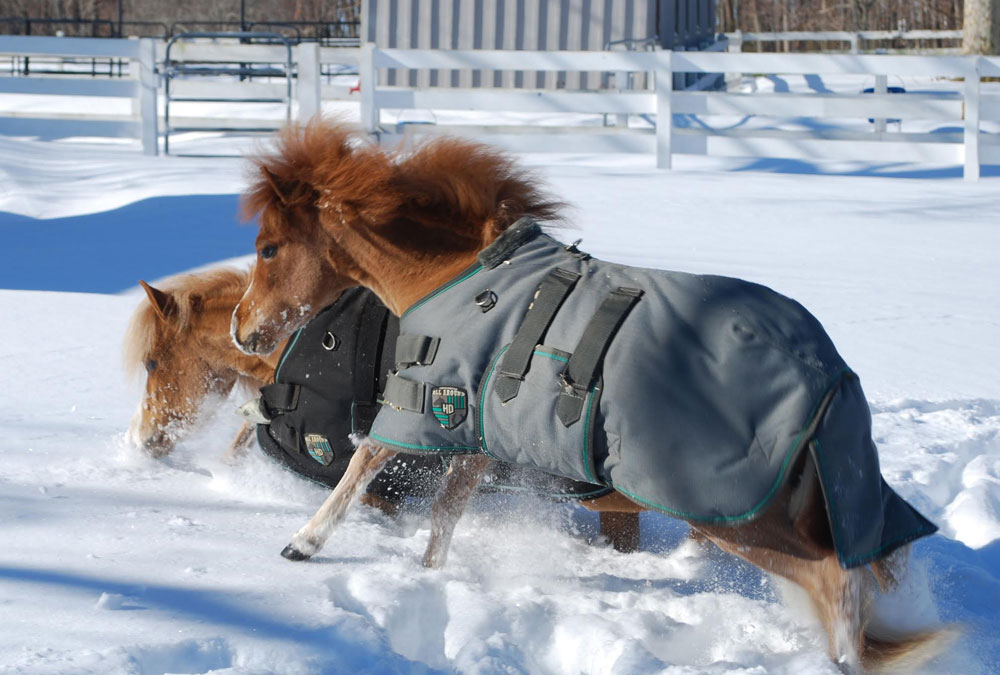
{"type": "Point", "coordinates": [110, 251]}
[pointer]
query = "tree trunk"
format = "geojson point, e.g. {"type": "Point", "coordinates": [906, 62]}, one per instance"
{"type": "Point", "coordinates": [981, 26]}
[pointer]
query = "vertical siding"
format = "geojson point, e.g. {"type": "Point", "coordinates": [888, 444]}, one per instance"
{"type": "Point", "coordinates": [527, 24]}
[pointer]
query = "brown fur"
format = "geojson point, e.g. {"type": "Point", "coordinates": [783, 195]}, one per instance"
{"type": "Point", "coordinates": [325, 184]}
{"type": "Point", "coordinates": [180, 333]}
{"type": "Point", "coordinates": [404, 224]}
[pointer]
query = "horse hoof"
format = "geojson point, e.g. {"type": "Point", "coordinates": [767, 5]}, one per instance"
{"type": "Point", "coordinates": [292, 553]}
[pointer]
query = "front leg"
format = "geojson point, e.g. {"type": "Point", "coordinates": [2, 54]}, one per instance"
{"type": "Point", "coordinates": [367, 461]}
{"type": "Point", "coordinates": [238, 448]}
{"type": "Point", "coordinates": [460, 482]}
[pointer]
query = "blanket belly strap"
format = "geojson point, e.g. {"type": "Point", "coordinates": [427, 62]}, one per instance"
{"type": "Point", "coordinates": [584, 364]}
{"type": "Point", "coordinates": [549, 297]}
{"type": "Point", "coordinates": [280, 397]}
{"type": "Point", "coordinates": [403, 394]}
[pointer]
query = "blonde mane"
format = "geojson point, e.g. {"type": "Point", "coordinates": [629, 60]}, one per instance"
{"type": "Point", "coordinates": [187, 291]}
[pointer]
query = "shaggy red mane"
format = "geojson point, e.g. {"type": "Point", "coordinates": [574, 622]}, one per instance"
{"type": "Point", "coordinates": [471, 190]}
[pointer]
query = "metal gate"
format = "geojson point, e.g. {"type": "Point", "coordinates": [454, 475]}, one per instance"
{"type": "Point", "coordinates": [255, 55]}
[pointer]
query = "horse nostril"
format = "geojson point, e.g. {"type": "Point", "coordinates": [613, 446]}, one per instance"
{"type": "Point", "coordinates": [253, 341]}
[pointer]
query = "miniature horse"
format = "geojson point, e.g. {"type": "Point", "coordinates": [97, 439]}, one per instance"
{"type": "Point", "coordinates": [181, 338]}
{"type": "Point", "coordinates": [403, 226]}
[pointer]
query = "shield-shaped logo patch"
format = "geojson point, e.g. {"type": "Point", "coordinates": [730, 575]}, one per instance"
{"type": "Point", "coordinates": [319, 448]}
{"type": "Point", "coordinates": [450, 406]}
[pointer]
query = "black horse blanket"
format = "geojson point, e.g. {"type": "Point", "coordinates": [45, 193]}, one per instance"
{"type": "Point", "coordinates": [690, 394]}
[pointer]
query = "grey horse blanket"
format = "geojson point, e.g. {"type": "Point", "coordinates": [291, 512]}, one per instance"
{"type": "Point", "coordinates": [690, 394]}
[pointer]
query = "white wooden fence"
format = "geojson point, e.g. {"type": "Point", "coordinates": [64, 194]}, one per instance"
{"type": "Point", "coordinates": [144, 57]}
{"type": "Point", "coordinates": [954, 134]}
{"type": "Point", "coordinates": [968, 147]}
{"type": "Point", "coordinates": [140, 87]}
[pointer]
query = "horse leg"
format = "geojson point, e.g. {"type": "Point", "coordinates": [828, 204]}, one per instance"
{"type": "Point", "coordinates": [792, 539]}
{"type": "Point", "coordinates": [238, 448]}
{"type": "Point", "coordinates": [621, 529]}
{"type": "Point", "coordinates": [461, 480]}
{"type": "Point", "coordinates": [390, 509]}
{"type": "Point", "coordinates": [619, 518]}
{"type": "Point", "coordinates": [367, 461]}
{"type": "Point", "coordinates": [839, 596]}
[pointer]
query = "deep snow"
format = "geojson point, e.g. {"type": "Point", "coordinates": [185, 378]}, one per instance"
{"type": "Point", "coordinates": [113, 562]}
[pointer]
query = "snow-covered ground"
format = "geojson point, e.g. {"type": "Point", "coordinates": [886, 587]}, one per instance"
{"type": "Point", "coordinates": [112, 562]}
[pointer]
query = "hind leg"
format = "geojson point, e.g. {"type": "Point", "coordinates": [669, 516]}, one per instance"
{"type": "Point", "coordinates": [839, 596]}
{"type": "Point", "coordinates": [792, 539]}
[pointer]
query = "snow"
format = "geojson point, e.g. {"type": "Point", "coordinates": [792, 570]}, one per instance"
{"type": "Point", "coordinates": [114, 562]}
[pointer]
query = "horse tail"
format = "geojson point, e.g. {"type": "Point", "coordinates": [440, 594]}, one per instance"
{"type": "Point", "coordinates": [886, 651]}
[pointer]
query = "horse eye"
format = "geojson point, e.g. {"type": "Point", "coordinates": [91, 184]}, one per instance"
{"type": "Point", "coordinates": [151, 365]}
{"type": "Point", "coordinates": [268, 251]}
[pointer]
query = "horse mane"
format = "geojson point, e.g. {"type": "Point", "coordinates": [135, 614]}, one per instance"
{"type": "Point", "coordinates": [470, 189]}
{"type": "Point", "coordinates": [188, 292]}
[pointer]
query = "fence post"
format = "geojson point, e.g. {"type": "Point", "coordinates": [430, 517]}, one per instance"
{"type": "Point", "coordinates": [147, 77]}
{"type": "Point", "coordinates": [855, 43]}
{"type": "Point", "coordinates": [307, 85]}
{"type": "Point", "coordinates": [971, 172]}
{"type": "Point", "coordinates": [664, 83]}
{"type": "Point", "coordinates": [735, 46]}
{"type": "Point", "coordinates": [368, 83]}
{"type": "Point", "coordinates": [881, 88]}
{"type": "Point", "coordinates": [622, 83]}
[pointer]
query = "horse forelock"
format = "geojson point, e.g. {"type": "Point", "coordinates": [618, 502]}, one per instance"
{"type": "Point", "coordinates": [223, 284]}
{"type": "Point", "coordinates": [305, 162]}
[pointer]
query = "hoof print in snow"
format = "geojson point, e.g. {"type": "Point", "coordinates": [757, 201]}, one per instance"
{"type": "Point", "coordinates": [292, 553]}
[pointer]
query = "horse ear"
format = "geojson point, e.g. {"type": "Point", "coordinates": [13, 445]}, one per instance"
{"type": "Point", "coordinates": [273, 182]}
{"type": "Point", "coordinates": [163, 303]}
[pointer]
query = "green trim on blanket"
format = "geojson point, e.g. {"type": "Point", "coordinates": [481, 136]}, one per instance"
{"type": "Point", "coordinates": [451, 284]}
{"type": "Point", "coordinates": [486, 387]}
{"type": "Point", "coordinates": [288, 350]}
{"type": "Point", "coordinates": [442, 449]}
{"type": "Point", "coordinates": [588, 460]}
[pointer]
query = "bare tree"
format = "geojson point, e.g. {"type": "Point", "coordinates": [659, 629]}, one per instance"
{"type": "Point", "coordinates": [83, 15]}
{"type": "Point", "coordinates": [981, 27]}
{"type": "Point", "coordinates": [838, 15]}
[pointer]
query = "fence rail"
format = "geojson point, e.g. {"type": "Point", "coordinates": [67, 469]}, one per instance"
{"type": "Point", "coordinates": [854, 40]}
{"type": "Point", "coordinates": [848, 125]}
{"type": "Point", "coordinates": [141, 87]}
{"type": "Point", "coordinates": [966, 107]}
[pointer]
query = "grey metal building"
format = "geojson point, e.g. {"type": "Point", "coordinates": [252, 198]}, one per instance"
{"type": "Point", "coordinates": [532, 24]}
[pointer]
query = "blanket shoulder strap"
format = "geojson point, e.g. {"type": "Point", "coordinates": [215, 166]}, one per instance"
{"type": "Point", "coordinates": [585, 363]}
{"type": "Point", "coordinates": [550, 295]}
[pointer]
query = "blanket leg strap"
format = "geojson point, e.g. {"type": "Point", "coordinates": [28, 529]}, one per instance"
{"type": "Point", "coordinates": [549, 297]}
{"type": "Point", "coordinates": [585, 363]}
